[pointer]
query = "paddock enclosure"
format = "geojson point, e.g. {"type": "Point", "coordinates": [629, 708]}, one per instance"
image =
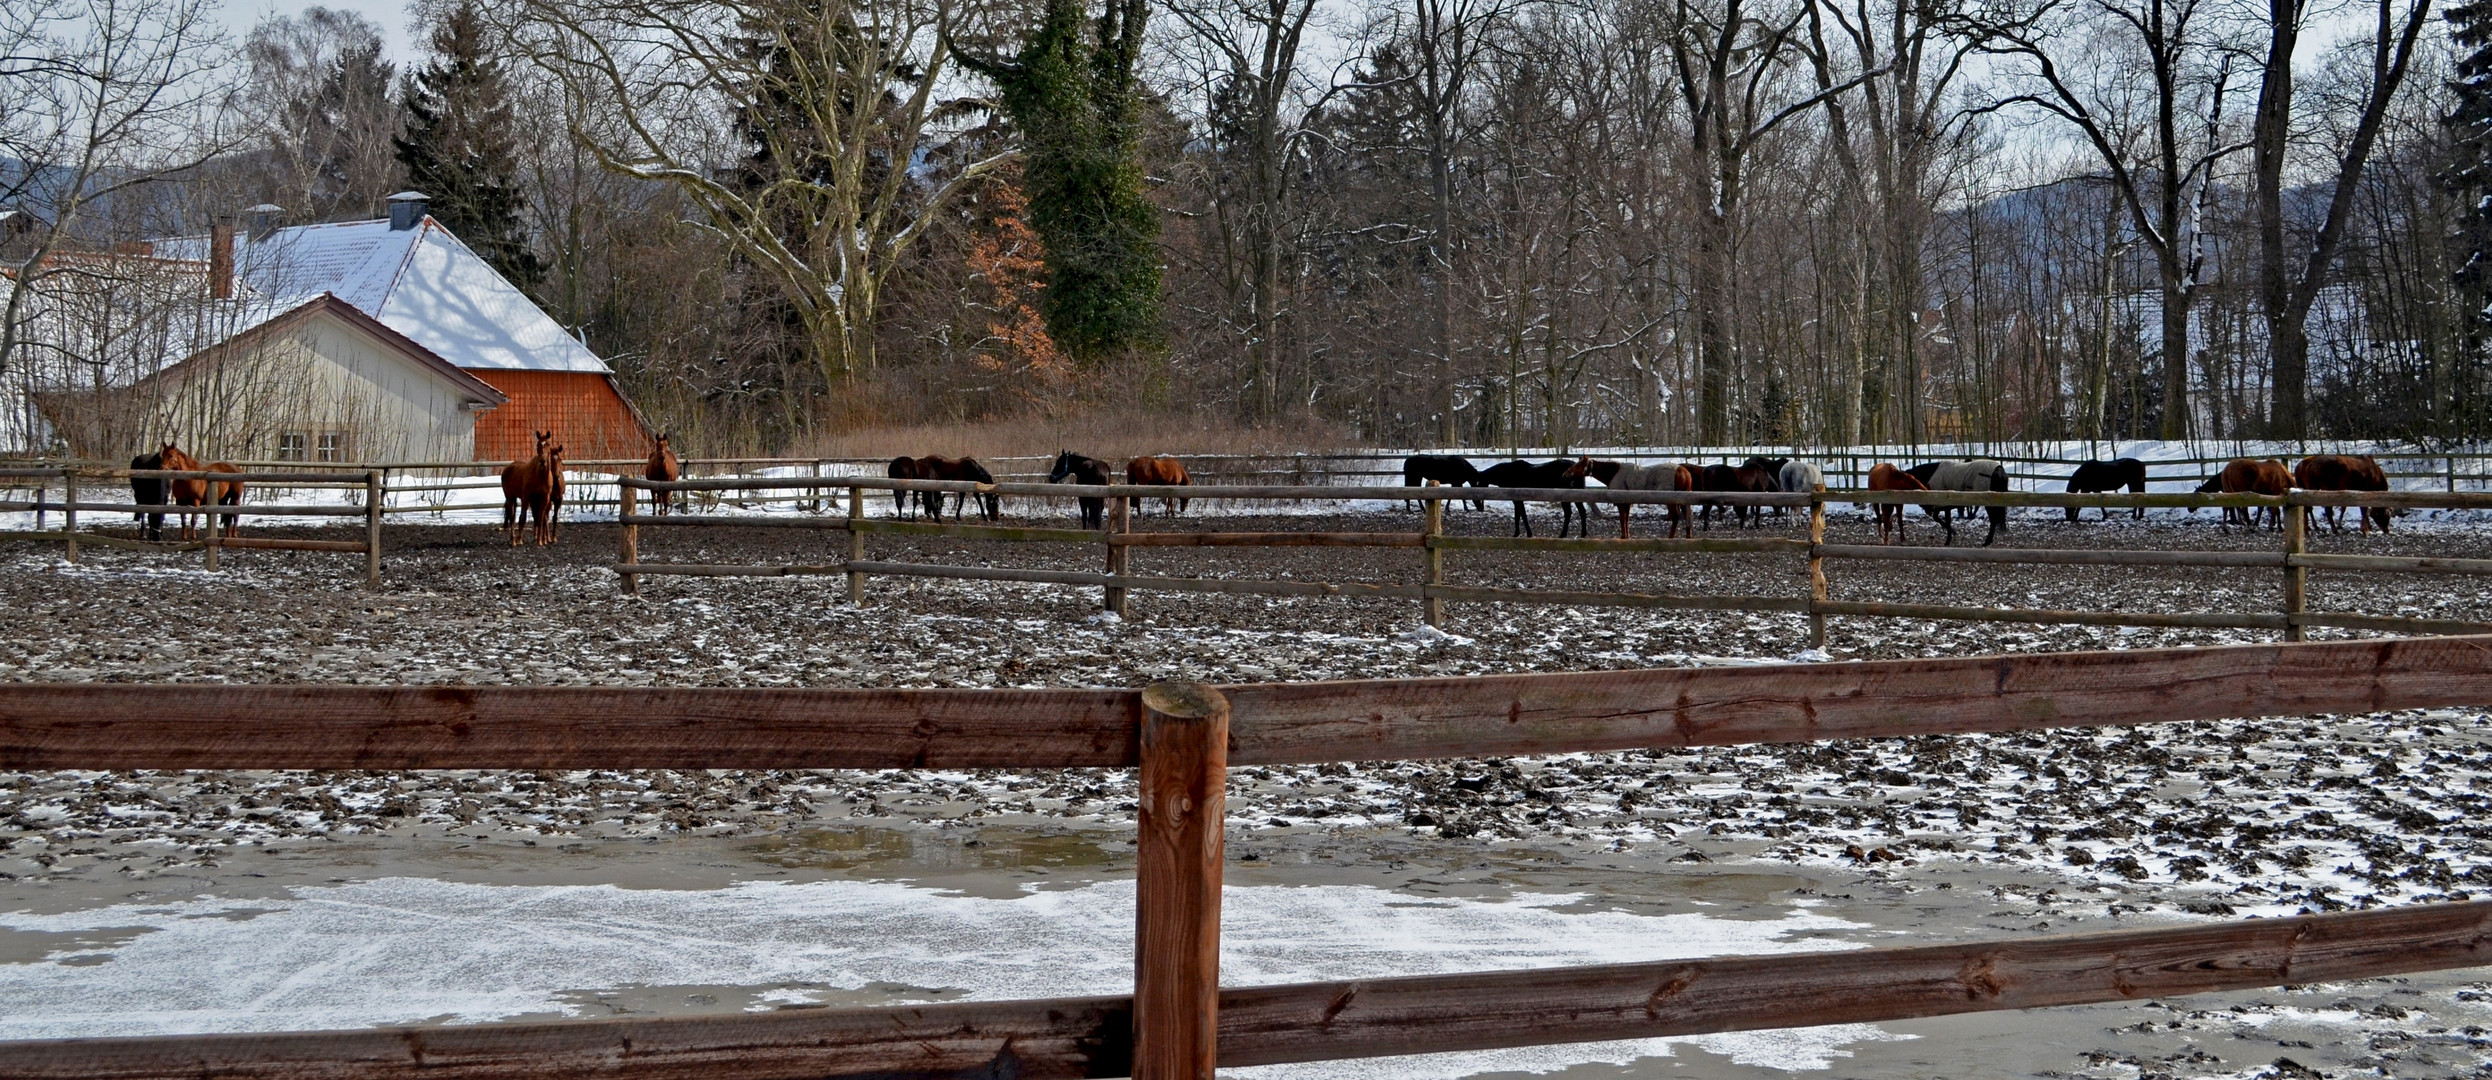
{"type": "Point", "coordinates": [1182, 737]}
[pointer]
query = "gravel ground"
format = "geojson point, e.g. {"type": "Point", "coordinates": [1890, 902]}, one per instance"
{"type": "Point", "coordinates": [2015, 833]}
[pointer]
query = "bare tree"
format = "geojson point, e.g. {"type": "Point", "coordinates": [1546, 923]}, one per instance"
{"type": "Point", "coordinates": [801, 130]}
{"type": "Point", "coordinates": [98, 98]}
{"type": "Point", "coordinates": [318, 102]}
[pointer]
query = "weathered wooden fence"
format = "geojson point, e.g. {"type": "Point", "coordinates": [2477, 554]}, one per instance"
{"type": "Point", "coordinates": [1810, 596]}
{"type": "Point", "coordinates": [1179, 1024]}
{"type": "Point", "coordinates": [209, 543]}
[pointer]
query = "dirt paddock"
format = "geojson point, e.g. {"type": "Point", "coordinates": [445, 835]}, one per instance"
{"type": "Point", "coordinates": [1939, 838]}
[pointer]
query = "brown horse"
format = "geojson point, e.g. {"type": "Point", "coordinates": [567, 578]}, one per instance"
{"type": "Point", "coordinates": [938, 467]}
{"type": "Point", "coordinates": [529, 487]}
{"type": "Point", "coordinates": [1158, 470]}
{"type": "Point", "coordinates": [2335, 472]}
{"type": "Point", "coordinates": [2248, 475]}
{"type": "Point", "coordinates": [903, 468]}
{"type": "Point", "coordinates": [201, 492]}
{"type": "Point", "coordinates": [1885, 477]}
{"type": "Point", "coordinates": [664, 465]}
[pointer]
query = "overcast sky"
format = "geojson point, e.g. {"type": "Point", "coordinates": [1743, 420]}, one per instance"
{"type": "Point", "coordinates": [390, 15]}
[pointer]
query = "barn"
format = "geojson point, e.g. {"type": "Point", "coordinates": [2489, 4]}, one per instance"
{"type": "Point", "coordinates": [411, 276]}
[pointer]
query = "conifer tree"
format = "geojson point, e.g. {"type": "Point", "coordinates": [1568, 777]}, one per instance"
{"type": "Point", "coordinates": [461, 145]}
{"type": "Point", "coordinates": [1078, 105]}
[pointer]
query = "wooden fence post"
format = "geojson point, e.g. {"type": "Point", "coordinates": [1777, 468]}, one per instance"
{"type": "Point", "coordinates": [2295, 525]}
{"type": "Point", "coordinates": [856, 545]}
{"type": "Point", "coordinates": [1816, 569]}
{"type": "Point", "coordinates": [1120, 519]}
{"type": "Point", "coordinates": [69, 510]}
{"type": "Point", "coordinates": [208, 546]}
{"type": "Point", "coordinates": [1181, 814]}
{"type": "Point", "coordinates": [627, 548]}
{"type": "Point", "coordinates": [1433, 607]}
{"type": "Point", "coordinates": [375, 494]}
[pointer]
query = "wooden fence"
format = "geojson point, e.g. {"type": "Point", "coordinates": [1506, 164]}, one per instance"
{"type": "Point", "coordinates": [1810, 596]}
{"type": "Point", "coordinates": [209, 543]}
{"type": "Point", "coordinates": [1179, 1024]}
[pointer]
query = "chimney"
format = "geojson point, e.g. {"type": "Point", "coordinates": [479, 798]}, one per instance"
{"type": "Point", "coordinates": [221, 261]}
{"type": "Point", "coordinates": [406, 210]}
{"type": "Point", "coordinates": [264, 220]}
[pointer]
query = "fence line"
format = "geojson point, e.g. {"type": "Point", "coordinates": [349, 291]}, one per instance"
{"type": "Point", "coordinates": [1180, 1023]}
{"type": "Point", "coordinates": [1811, 597]}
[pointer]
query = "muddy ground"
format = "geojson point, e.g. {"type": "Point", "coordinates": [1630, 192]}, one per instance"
{"type": "Point", "coordinates": [1937, 838]}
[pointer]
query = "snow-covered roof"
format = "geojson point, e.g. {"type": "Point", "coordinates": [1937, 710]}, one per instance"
{"type": "Point", "coordinates": [421, 282]}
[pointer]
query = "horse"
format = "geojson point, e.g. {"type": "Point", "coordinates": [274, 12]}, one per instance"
{"type": "Point", "coordinates": [1418, 469]}
{"type": "Point", "coordinates": [1624, 477]}
{"type": "Point", "coordinates": [1922, 472]}
{"type": "Point", "coordinates": [938, 467]}
{"type": "Point", "coordinates": [1773, 476]}
{"type": "Point", "coordinates": [1754, 475]}
{"type": "Point", "coordinates": [2334, 472]}
{"type": "Point", "coordinates": [554, 495]}
{"type": "Point", "coordinates": [148, 491]}
{"type": "Point", "coordinates": [1800, 476]}
{"type": "Point", "coordinates": [2095, 475]}
{"type": "Point", "coordinates": [1082, 470]}
{"type": "Point", "coordinates": [528, 488]}
{"type": "Point", "coordinates": [903, 468]}
{"type": "Point", "coordinates": [1885, 477]}
{"type": "Point", "coordinates": [1976, 474]}
{"type": "Point", "coordinates": [1548, 474]}
{"type": "Point", "coordinates": [1160, 470]}
{"type": "Point", "coordinates": [202, 492]}
{"type": "Point", "coordinates": [2248, 475]}
{"type": "Point", "coordinates": [664, 465]}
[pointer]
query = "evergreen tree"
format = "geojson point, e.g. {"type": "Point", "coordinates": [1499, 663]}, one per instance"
{"type": "Point", "coordinates": [1078, 105]}
{"type": "Point", "coordinates": [461, 145]}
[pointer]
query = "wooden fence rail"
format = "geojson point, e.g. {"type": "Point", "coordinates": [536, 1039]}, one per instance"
{"type": "Point", "coordinates": [1810, 597]}
{"type": "Point", "coordinates": [1179, 1024]}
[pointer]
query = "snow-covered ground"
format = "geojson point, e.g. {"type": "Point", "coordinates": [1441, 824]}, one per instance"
{"type": "Point", "coordinates": [250, 900]}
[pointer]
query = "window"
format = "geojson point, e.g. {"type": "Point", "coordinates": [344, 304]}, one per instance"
{"type": "Point", "coordinates": [332, 446]}
{"type": "Point", "coordinates": [290, 445]}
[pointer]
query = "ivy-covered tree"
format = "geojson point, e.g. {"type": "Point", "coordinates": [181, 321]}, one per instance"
{"type": "Point", "coordinates": [1073, 94]}
{"type": "Point", "coordinates": [461, 145]}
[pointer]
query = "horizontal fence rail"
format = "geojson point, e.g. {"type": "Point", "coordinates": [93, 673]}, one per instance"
{"type": "Point", "coordinates": [211, 726]}
{"type": "Point", "coordinates": [1116, 539]}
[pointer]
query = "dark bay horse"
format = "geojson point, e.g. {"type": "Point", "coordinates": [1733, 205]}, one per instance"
{"type": "Point", "coordinates": [1077, 469]}
{"type": "Point", "coordinates": [1754, 476]}
{"type": "Point", "coordinates": [1547, 474]}
{"type": "Point", "coordinates": [528, 487]}
{"type": "Point", "coordinates": [664, 465]}
{"type": "Point", "coordinates": [1159, 470]}
{"type": "Point", "coordinates": [148, 491]}
{"type": "Point", "coordinates": [200, 492]}
{"type": "Point", "coordinates": [1445, 469]}
{"type": "Point", "coordinates": [938, 467]}
{"type": "Point", "coordinates": [2095, 475]}
{"type": "Point", "coordinates": [2252, 476]}
{"type": "Point", "coordinates": [903, 468]}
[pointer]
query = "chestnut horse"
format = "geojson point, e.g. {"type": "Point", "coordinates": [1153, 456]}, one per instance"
{"type": "Point", "coordinates": [664, 465]}
{"type": "Point", "coordinates": [1160, 471]}
{"type": "Point", "coordinates": [1885, 477]}
{"type": "Point", "coordinates": [2248, 475]}
{"type": "Point", "coordinates": [532, 486]}
{"type": "Point", "coordinates": [196, 492]}
{"type": "Point", "coordinates": [1625, 477]}
{"type": "Point", "coordinates": [2336, 472]}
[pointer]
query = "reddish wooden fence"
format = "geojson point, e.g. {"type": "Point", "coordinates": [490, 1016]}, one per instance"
{"type": "Point", "coordinates": [1179, 1023]}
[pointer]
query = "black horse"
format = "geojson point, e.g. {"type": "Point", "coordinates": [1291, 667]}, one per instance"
{"type": "Point", "coordinates": [1083, 470]}
{"type": "Point", "coordinates": [903, 468]}
{"type": "Point", "coordinates": [1418, 469]}
{"type": "Point", "coordinates": [148, 491]}
{"type": "Point", "coordinates": [2096, 475]}
{"type": "Point", "coordinates": [1547, 474]}
{"type": "Point", "coordinates": [1922, 472]}
{"type": "Point", "coordinates": [990, 505]}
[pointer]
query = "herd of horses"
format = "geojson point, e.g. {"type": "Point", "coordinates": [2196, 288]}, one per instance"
{"type": "Point", "coordinates": [533, 487]}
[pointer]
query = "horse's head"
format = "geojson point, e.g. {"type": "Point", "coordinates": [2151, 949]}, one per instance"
{"type": "Point", "coordinates": [1579, 468]}
{"type": "Point", "coordinates": [1062, 468]}
{"type": "Point", "coordinates": [662, 438]}
{"type": "Point", "coordinates": [543, 440]}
